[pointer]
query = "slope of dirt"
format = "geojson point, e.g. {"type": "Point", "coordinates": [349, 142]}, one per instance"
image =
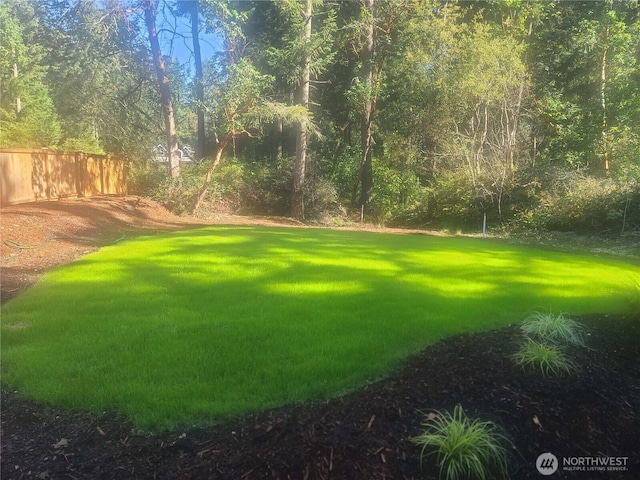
{"type": "Point", "coordinates": [38, 236]}
{"type": "Point", "coordinates": [363, 435]}
{"type": "Point", "coordinates": [35, 237]}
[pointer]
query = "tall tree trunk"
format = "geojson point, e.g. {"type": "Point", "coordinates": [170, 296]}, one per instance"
{"type": "Point", "coordinates": [366, 191]}
{"type": "Point", "coordinates": [513, 131]}
{"type": "Point", "coordinates": [15, 75]}
{"type": "Point", "coordinates": [483, 137]}
{"type": "Point", "coordinates": [603, 102]}
{"type": "Point", "coordinates": [278, 129]}
{"type": "Point", "coordinates": [297, 199]}
{"type": "Point", "coordinates": [150, 11]}
{"type": "Point", "coordinates": [201, 141]}
{"type": "Point", "coordinates": [515, 123]}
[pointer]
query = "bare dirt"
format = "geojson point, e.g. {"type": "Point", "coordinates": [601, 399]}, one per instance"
{"type": "Point", "coordinates": [589, 417]}
{"type": "Point", "coordinates": [39, 236]}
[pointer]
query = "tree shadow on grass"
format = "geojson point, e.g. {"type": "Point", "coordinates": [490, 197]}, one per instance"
{"type": "Point", "coordinates": [195, 326]}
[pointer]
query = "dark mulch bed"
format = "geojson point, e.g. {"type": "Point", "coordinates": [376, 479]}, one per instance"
{"type": "Point", "coordinates": [364, 435]}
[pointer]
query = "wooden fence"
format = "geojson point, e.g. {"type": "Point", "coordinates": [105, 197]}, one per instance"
{"type": "Point", "coordinates": [36, 175]}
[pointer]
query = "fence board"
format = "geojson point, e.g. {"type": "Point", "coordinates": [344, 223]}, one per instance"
{"type": "Point", "coordinates": [33, 175]}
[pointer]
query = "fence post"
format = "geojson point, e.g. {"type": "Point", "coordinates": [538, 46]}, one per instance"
{"type": "Point", "coordinates": [104, 159]}
{"type": "Point", "coordinates": [80, 172]}
{"type": "Point", "coordinates": [47, 173]}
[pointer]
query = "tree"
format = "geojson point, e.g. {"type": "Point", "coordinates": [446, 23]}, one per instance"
{"type": "Point", "coordinates": [238, 95]}
{"type": "Point", "coordinates": [27, 113]}
{"type": "Point", "coordinates": [376, 24]}
{"type": "Point", "coordinates": [150, 13]}
{"type": "Point", "coordinates": [297, 197]}
{"type": "Point", "coordinates": [586, 63]}
{"type": "Point", "coordinates": [192, 9]}
{"type": "Point", "coordinates": [456, 86]}
{"type": "Point", "coordinates": [201, 142]}
{"type": "Point", "coordinates": [293, 42]}
{"type": "Point", "coordinates": [369, 108]}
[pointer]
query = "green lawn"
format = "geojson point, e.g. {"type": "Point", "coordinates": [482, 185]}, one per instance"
{"type": "Point", "coordinates": [190, 327]}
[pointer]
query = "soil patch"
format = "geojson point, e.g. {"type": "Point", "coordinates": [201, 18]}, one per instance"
{"type": "Point", "coordinates": [362, 435]}
{"type": "Point", "coordinates": [39, 236]}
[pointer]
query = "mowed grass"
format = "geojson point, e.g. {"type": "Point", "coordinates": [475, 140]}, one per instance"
{"type": "Point", "coordinates": [191, 327]}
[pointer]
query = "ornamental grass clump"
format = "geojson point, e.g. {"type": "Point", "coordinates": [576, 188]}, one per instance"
{"type": "Point", "coordinates": [546, 335]}
{"type": "Point", "coordinates": [547, 358]}
{"type": "Point", "coordinates": [554, 329]}
{"type": "Point", "coordinates": [465, 448]}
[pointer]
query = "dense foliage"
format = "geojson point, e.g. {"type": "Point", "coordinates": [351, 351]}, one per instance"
{"type": "Point", "coordinates": [420, 112]}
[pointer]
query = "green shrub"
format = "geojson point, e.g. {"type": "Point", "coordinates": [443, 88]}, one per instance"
{"type": "Point", "coordinates": [396, 191]}
{"type": "Point", "coordinates": [228, 184]}
{"type": "Point", "coordinates": [344, 172]}
{"type": "Point", "coordinates": [455, 201]}
{"type": "Point", "coordinates": [152, 180]}
{"type": "Point", "coordinates": [465, 448]}
{"type": "Point", "coordinates": [574, 201]}
{"type": "Point", "coordinates": [267, 187]}
{"type": "Point", "coordinates": [143, 177]}
{"type": "Point", "coordinates": [547, 358]}
{"type": "Point", "coordinates": [321, 201]}
{"type": "Point", "coordinates": [86, 143]}
{"type": "Point", "coordinates": [554, 329]}
{"type": "Point", "coordinates": [178, 194]}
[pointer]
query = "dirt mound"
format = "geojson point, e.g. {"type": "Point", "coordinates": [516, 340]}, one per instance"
{"type": "Point", "coordinates": [38, 236]}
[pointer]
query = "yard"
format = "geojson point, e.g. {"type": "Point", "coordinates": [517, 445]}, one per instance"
{"type": "Point", "coordinates": [264, 352]}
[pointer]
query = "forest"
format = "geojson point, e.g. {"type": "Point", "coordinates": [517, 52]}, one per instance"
{"type": "Point", "coordinates": [425, 113]}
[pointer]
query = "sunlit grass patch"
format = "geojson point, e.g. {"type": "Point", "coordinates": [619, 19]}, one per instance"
{"type": "Point", "coordinates": [191, 327]}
